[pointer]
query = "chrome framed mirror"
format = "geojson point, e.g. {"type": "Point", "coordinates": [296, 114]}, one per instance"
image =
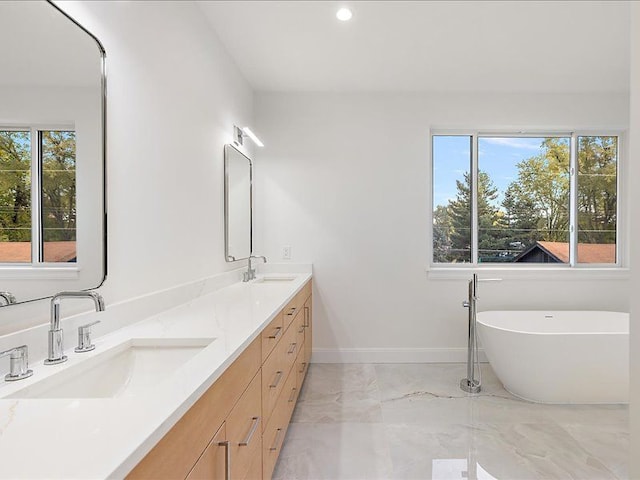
{"type": "Point", "coordinates": [52, 153]}
{"type": "Point", "coordinates": [238, 202]}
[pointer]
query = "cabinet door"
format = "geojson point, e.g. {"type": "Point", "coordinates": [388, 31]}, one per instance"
{"type": "Point", "coordinates": [214, 463]}
{"type": "Point", "coordinates": [244, 430]}
{"type": "Point", "coordinates": [273, 437]}
{"type": "Point", "coordinates": [308, 331]}
{"type": "Point", "coordinates": [300, 367]}
{"type": "Point", "coordinates": [255, 470]}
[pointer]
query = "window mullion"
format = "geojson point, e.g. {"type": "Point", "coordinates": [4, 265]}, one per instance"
{"type": "Point", "coordinates": [36, 197]}
{"type": "Point", "coordinates": [573, 200]}
{"type": "Point", "coordinates": [474, 199]}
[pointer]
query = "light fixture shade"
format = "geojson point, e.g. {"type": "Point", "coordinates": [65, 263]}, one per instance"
{"type": "Point", "coordinates": [252, 136]}
{"type": "Point", "coordinates": [240, 133]}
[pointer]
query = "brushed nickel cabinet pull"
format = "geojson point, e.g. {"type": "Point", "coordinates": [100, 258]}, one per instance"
{"type": "Point", "coordinates": [293, 395]}
{"type": "Point", "coordinates": [292, 348]}
{"type": "Point", "coordinates": [254, 426]}
{"type": "Point", "coordinates": [276, 333]}
{"type": "Point", "coordinates": [304, 365]}
{"type": "Point", "coordinates": [277, 379]}
{"type": "Point", "coordinates": [227, 459]}
{"type": "Point", "coordinates": [292, 311]}
{"type": "Point", "coordinates": [274, 447]}
{"type": "Point", "coordinates": [307, 324]}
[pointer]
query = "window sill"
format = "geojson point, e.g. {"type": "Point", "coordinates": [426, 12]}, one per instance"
{"type": "Point", "coordinates": [39, 273]}
{"type": "Point", "coordinates": [530, 273]}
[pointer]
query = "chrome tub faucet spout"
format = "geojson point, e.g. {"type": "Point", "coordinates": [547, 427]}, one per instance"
{"type": "Point", "coordinates": [470, 384]}
{"type": "Point", "coordinates": [56, 343]}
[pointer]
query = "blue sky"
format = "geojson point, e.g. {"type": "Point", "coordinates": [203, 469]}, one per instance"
{"type": "Point", "coordinates": [498, 156]}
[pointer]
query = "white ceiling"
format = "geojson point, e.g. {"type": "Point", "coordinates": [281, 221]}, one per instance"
{"type": "Point", "coordinates": [513, 46]}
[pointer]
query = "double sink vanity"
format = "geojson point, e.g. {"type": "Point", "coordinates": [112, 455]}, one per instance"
{"type": "Point", "coordinates": [202, 390]}
{"type": "Point", "coordinates": [196, 381]}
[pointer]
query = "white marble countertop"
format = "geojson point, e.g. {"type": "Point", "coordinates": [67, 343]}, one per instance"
{"type": "Point", "coordinates": [106, 437]}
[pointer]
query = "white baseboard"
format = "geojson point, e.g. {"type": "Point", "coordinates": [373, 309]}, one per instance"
{"type": "Point", "coordinates": [392, 355]}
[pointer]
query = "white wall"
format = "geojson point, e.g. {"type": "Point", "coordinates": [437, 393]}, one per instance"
{"type": "Point", "coordinates": [634, 154]}
{"type": "Point", "coordinates": [344, 179]}
{"type": "Point", "coordinates": [173, 97]}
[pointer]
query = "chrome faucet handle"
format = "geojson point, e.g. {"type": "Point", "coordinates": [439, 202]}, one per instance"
{"type": "Point", "coordinates": [84, 338]}
{"type": "Point", "coordinates": [56, 339]}
{"type": "Point", "coordinates": [18, 363]}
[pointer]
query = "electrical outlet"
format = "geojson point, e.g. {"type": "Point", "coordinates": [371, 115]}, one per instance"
{"type": "Point", "coordinates": [286, 252]}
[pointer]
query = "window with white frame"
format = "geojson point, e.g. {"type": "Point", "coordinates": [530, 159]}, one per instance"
{"type": "Point", "coordinates": [37, 196]}
{"type": "Point", "coordinates": [514, 198]}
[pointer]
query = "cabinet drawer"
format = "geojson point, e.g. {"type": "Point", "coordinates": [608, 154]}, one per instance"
{"type": "Point", "coordinates": [244, 430]}
{"type": "Point", "coordinates": [289, 395]}
{"type": "Point", "coordinates": [271, 335]}
{"type": "Point", "coordinates": [289, 348]}
{"type": "Point", "coordinates": [273, 437]}
{"type": "Point", "coordinates": [300, 327]}
{"type": "Point", "coordinates": [291, 310]}
{"type": "Point", "coordinates": [301, 368]}
{"type": "Point", "coordinates": [274, 375]}
{"type": "Point", "coordinates": [214, 462]}
{"type": "Point", "coordinates": [177, 452]}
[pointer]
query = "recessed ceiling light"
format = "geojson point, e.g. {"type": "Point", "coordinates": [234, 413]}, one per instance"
{"type": "Point", "coordinates": [344, 14]}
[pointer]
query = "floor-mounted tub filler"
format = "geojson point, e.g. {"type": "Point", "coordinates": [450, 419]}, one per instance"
{"type": "Point", "coordinates": [559, 356]}
{"type": "Point", "coordinates": [471, 383]}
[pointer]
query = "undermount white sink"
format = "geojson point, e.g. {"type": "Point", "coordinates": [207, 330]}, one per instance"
{"type": "Point", "coordinates": [276, 279]}
{"type": "Point", "coordinates": [130, 368]}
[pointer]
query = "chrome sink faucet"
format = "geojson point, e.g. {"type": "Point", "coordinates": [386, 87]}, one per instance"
{"type": "Point", "coordinates": [250, 274]}
{"type": "Point", "coordinates": [56, 343]}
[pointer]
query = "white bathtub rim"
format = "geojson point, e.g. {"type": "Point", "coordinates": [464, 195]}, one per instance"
{"type": "Point", "coordinates": [487, 313]}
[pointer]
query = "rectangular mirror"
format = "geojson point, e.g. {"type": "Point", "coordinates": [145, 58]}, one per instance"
{"type": "Point", "coordinates": [237, 204]}
{"type": "Point", "coordinates": [52, 153]}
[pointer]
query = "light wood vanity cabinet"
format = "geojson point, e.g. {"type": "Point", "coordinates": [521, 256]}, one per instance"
{"type": "Point", "coordinates": [236, 429]}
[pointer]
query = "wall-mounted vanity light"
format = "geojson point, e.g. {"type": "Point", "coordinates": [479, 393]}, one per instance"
{"type": "Point", "coordinates": [240, 133]}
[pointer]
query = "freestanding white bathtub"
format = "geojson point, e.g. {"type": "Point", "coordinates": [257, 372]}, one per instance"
{"type": "Point", "coordinates": [559, 357]}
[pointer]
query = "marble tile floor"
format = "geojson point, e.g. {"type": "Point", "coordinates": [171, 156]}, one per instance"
{"type": "Point", "coordinates": [411, 421]}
